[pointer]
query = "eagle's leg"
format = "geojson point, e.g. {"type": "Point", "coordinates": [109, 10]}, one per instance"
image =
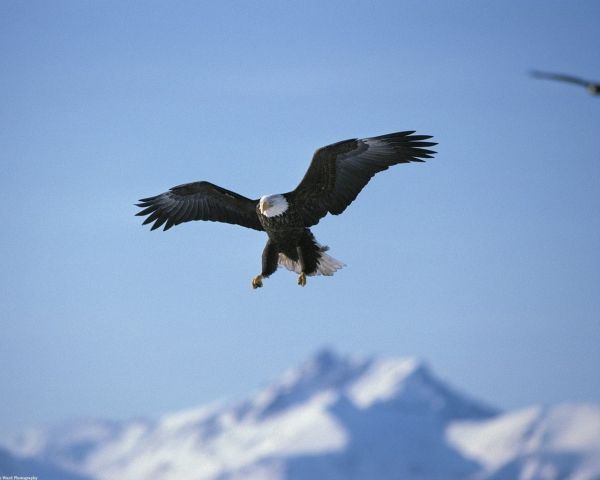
{"type": "Point", "coordinates": [302, 276]}
{"type": "Point", "coordinates": [270, 259]}
{"type": "Point", "coordinates": [257, 281]}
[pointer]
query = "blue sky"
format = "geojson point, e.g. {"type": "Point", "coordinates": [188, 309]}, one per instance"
{"type": "Point", "coordinates": [484, 261]}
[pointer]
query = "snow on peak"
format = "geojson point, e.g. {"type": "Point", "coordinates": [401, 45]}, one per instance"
{"type": "Point", "coordinates": [381, 381]}
{"type": "Point", "coordinates": [364, 382]}
{"type": "Point", "coordinates": [325, 367]}
{"type": "Point", "coordinates": [324, 371]}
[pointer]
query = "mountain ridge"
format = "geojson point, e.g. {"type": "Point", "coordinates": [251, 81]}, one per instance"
{"type": "Point", "coordinates": [332, 417]}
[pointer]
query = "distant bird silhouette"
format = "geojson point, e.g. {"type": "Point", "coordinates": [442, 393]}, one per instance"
{"type": "Point", "coordinates": [593, 88]}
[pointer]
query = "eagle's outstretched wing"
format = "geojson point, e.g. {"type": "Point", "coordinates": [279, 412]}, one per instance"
{"type": "Point", "coordinates": [199, 201]}
{"type": "Point", "coordinates": [560, 77]}
{"type": "Point", "coordinates": [338, 172]}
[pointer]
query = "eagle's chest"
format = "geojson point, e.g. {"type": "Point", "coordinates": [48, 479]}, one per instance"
{"type": "Point", "coordinates": [284, 228]}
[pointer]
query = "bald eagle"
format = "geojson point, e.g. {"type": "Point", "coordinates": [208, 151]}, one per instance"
{"type": "Point", "coordinates": [336, 175]}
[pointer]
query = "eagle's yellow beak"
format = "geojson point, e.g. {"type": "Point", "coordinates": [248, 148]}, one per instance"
{"type": "Point", "coordinates": [264, 205]}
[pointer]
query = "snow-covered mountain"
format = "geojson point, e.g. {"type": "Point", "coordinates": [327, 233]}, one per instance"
{"type": "Point", "coordinates": [333, 417]}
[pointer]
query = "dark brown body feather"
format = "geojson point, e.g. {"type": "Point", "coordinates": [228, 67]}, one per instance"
{"type": "Point", "coordinates": [288, 236]}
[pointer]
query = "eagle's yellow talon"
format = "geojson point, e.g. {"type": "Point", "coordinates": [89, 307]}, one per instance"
{"type": "Point", "coordinates": [257, 282]}
{"type": "Point", "coordinates": [302, 279]}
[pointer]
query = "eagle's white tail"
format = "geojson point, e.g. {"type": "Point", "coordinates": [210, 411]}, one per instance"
{"type": "Point", "coordinates": [326, 265]}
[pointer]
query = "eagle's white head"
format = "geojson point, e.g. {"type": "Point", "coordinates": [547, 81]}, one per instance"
{"type": "Point", "coordinates": [272, 205]}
